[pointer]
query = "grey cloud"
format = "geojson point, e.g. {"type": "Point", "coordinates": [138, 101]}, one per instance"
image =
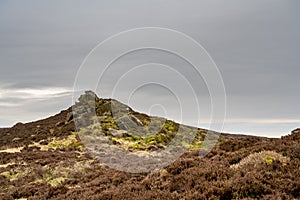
{"type": "Point", "coordinates": [254, 43]}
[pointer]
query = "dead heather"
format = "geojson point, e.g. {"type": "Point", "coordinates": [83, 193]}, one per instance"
{"type": "Point", "coordinates": [47, 160]}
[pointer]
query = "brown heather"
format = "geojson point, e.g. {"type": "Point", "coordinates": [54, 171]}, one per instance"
{"type": "Point", "coordinates": [46, 160]}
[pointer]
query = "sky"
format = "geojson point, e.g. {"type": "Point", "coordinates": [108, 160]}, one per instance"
{"type": "Point", "coordinates": [255, 45]}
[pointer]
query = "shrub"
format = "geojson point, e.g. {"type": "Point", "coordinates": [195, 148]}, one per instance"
{"type": "Point", "coordinates": [263, 157]}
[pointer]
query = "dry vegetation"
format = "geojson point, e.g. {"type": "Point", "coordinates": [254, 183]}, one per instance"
{"type": "Point", "coordinates": [52, 163]}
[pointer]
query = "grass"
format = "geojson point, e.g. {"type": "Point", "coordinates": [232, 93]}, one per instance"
{"type": "Point", "coordinates": [70, 141]}
{"type": "Point", "coordinates": [57, 181]}
{"type": "Point", "coordinates": [15, 174]}
{"type": "Point", "coordinates": [263, 157]}
{"type": "Point", "coordinates": [56, 176]}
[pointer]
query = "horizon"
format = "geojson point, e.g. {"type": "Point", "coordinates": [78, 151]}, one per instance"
{"type": "Point", "coordinates": [254, 46]}
{"type": "Point", "coordinates": [248, 122]}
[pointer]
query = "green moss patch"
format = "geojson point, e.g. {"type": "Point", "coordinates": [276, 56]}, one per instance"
{"type": "Point", "coordinates": [71, 141]}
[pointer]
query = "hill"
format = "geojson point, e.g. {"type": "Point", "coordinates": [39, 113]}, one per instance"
{"type": "Point", "coordinates": [50, 159]}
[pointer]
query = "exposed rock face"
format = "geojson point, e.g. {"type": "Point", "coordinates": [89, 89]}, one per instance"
{"type": "Point", "coordinates": [118, 133]}
{"type": "Point", "coordinates": [136, 120]}
{"type": "Point", "coordinates": [88, 96]}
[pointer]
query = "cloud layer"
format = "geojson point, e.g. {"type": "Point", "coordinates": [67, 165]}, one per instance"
{"type": "Point", "coordinates": [254, 43]}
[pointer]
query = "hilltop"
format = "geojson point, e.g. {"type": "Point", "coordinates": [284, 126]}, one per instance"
{"type": "Point", "coordinates": [49, 159]}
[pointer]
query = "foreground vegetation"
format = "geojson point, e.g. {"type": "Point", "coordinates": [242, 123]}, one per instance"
{"type": "Point", "coordinates": [47, 160]}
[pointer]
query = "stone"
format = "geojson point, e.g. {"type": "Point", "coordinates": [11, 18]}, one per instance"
{"type": "Point", "coordinates": [136, 120]}
{"type": "Point", "coordinates": [118, 133]}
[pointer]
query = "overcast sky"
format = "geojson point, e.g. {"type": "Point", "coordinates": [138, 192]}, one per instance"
{"type": "Point", "coordinates": [254, 43]}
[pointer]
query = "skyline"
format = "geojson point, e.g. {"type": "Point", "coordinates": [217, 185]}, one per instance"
{"type": "Point", "coordinates": [254, 44]}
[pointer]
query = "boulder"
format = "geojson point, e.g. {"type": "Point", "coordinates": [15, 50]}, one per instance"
{"type": "Point", "coordinates": [136, 120]}
{"type": "Point", "coordinates": [118, 133]}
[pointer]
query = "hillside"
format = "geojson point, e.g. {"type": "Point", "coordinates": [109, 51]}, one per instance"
{"type": "Point", "coordinates": [48, 159]}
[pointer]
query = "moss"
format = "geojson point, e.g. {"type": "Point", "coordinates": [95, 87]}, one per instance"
{"type": "Point", "coordinates": [15, 174]}
{"type": "Point", "coordinates": [202, 131]}
{"type": "Point", "coordinates": [7, 174]}
{"type": "Point", "coordinates": [137, 146]}
{"type": "Point", "coordinates": [162, 139]}
{"type": "Point", "coordinates": [185, 144]}
{"type": "Point", "coordinates": [58, 175]}
{"type": "Point", "coordinates": [195, 145]}
{"type": "Point", "coordinates": [150, 140]}
{"type": "Point", "coordinates": [6, 187]}
{"type": "Point", "coordinates": [268, 160]}
{"type": "Point", "coordinates": [154, 142]}
{"type": "Point", "coordinates": [115, 140]}
{"type": "Point", "coordinates": [142, 117]}
{"type": "Point", "coordinates": [132, 138]}
{"type": "Point", "coordinates": [57, 181]}
{"type": "Point", "coordinates": [108, 123]}
{"type": "Point", "coordinates": [103, 106]}
{"type": "Point", "coordinates": [70, 141]}
{"type": "Point", "coordinates": [170, 126]}
{"type": "Point", "coordinates": [38, 180]}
